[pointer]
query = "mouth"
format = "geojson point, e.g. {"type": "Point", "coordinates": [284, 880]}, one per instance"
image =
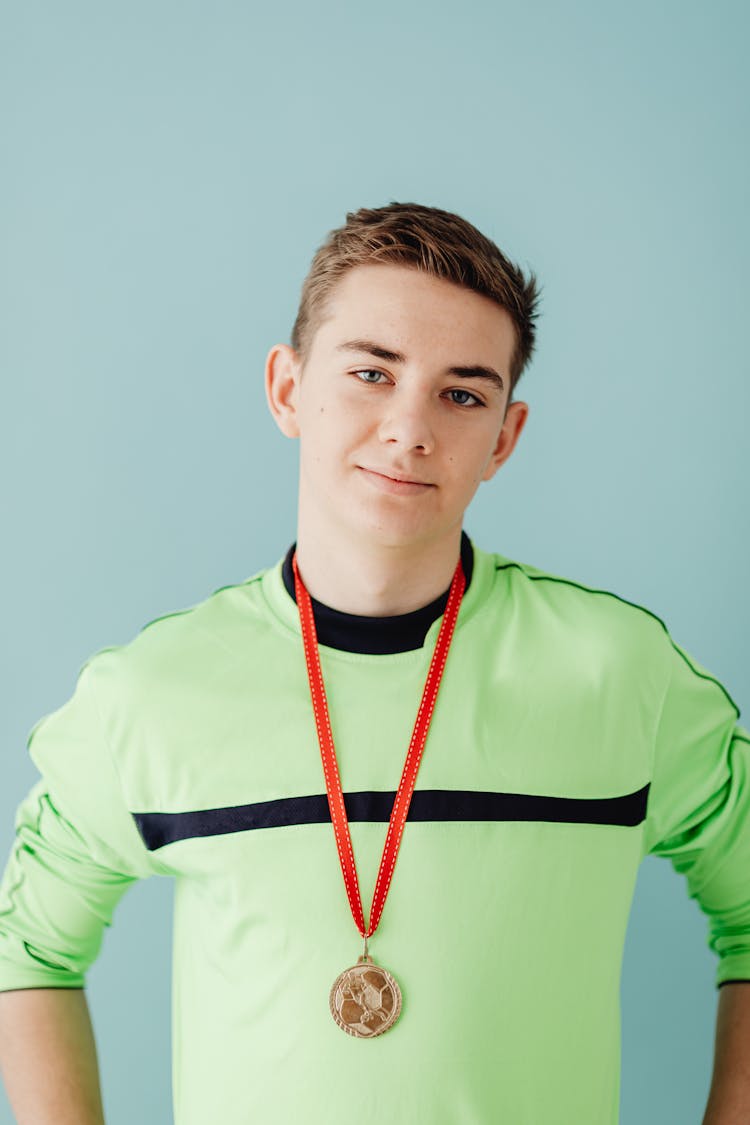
{"type": "Point", "coordinates": [395, 484]}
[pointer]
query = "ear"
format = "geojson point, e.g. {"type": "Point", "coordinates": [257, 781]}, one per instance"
{"type": "Point", "coordinates": [282, 387]}
{"type": "Point", "coordinates": [515, 420]}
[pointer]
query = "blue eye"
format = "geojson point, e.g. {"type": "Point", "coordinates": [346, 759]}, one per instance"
{"type": "Point", "coordinates": [367, 371]}
{"type": "Point", "coordinates": [458, 391]}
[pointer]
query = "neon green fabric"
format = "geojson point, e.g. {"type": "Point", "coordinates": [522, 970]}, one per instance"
{"type": "Point", "coordinates": [505, 934]}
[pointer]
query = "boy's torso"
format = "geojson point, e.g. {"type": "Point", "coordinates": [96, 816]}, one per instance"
{"type": "Point", "coordinates": [506, 916]}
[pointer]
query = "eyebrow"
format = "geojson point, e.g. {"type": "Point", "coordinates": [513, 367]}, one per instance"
{"type": "Point", "coordinates": [476, 371]}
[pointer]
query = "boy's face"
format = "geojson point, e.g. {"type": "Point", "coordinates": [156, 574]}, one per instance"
{"type": "Point", "coordinates": [394, 450]}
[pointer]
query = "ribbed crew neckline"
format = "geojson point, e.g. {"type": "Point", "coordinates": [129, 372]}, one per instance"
{"type": "Point", "coordinates": [350, 632]}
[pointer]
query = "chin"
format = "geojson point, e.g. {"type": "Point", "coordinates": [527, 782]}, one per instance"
{"type": "Point", "coordinates": [397, 531]}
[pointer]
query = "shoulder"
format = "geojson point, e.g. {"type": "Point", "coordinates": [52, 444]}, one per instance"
{"type": "Point", "coordinates": [563, 610]}
{"type": "Point", "coordinates": [567, 594]}
{"type": "Point", "coordinates": [182, 644]}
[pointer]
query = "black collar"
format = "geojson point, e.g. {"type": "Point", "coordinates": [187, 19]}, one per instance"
{"type": "Point", "coordinates": [380, 635]}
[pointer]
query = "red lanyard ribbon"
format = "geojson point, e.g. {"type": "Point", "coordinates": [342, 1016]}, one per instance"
{"type": "Point", "coordinates": [413, 756]}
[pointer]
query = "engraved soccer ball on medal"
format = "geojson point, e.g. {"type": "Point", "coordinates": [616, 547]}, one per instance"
{"type": "Point", "coordinates": [365, 999]}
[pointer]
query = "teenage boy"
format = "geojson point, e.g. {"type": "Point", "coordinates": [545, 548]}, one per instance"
{"type": "Point", "coordinates": [255, 746]}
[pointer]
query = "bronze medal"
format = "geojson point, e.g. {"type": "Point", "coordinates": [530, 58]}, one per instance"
{"type": "Point", "coordinates": [365, 1000]}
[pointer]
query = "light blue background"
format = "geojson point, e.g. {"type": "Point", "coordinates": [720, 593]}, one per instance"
{"type": "Point", "coordinates": [169, 170]}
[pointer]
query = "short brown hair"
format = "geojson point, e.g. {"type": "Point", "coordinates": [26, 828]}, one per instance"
{"type": "Point", "coordinates": [429, 239]}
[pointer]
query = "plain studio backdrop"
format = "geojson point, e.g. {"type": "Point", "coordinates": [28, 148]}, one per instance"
{"type": "Point", "coordinates": [169, 170]}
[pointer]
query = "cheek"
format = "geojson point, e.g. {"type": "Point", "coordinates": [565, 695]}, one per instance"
{"type": "Point", "coordinates": [323, 434]}
{"type": "Point", "coordinates": [479, 459]}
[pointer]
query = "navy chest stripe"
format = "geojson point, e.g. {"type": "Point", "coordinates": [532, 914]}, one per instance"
{"type": "Point", "coordinates": [158, 829]}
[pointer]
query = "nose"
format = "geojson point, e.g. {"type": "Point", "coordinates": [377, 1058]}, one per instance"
{"type": "Point", "coordinates": [406, 423]}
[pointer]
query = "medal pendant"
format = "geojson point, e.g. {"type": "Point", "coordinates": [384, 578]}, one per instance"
{"type": "Point", "coordinates": [365, 999]}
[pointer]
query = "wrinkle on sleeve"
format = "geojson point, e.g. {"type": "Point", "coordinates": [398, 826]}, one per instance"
{"type": "Point", "coordinates": [76, 849]}
{"type": "Point", "coordinates": [699, 805]}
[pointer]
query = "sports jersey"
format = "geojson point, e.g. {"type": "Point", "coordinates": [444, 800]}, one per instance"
{"type": "Point", "coordinates": [572, 736]}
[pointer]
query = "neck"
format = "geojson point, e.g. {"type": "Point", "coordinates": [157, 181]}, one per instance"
{"type": "Point", "coordinates": [353, 576]}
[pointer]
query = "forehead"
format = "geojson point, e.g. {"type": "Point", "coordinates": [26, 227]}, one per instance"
{"type": "Point", "coordinates": [412, 309]}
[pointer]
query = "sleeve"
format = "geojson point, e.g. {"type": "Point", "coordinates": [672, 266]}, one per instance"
{"type": "Point", "coordinates": [76, 849]}
{"type": "Point", "coordinates": [698, 812]}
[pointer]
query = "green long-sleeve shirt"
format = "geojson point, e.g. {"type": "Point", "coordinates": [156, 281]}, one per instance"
{"type": "Point", "coordinates": [571, 737]}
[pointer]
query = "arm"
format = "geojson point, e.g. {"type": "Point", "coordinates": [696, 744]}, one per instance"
{"type": "Point", "coordinates": [48, 1057]}
{"type": "Point", "coordinates": [729, 1097]}
{"type": "Point", "coordinates": [75, 854]}
{"type": "Point", "coordinates": [700, 819]}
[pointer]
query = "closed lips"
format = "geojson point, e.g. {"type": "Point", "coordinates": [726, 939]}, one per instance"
{"type": "Point", "coordinates": [390, 476]}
